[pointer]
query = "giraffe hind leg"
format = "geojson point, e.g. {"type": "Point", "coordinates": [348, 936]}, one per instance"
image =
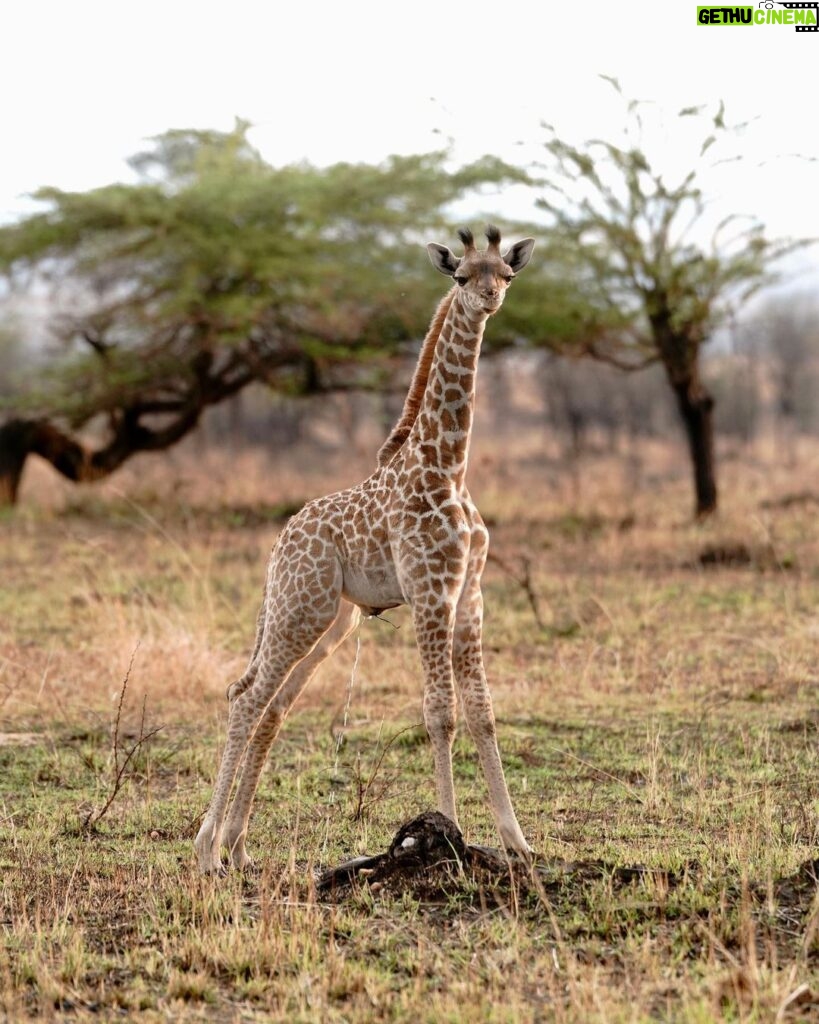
{"type": "Point", "coordinates": [301, 606]}
{"type": "Point", "coordinates": [238, 688]}
{"type": "Point", "coordinates": [239, 814]}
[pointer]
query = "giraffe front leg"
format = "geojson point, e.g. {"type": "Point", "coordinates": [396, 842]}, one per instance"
{"type": "Point", "coordinates": [478, 711]}
{"type": "Point", "coordinates": [433, 627]}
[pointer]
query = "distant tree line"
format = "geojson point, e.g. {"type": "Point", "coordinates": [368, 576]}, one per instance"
{"type": "Point", "coordinates": [764, 383]}
{"type": "Point", "coordinates": [764, 377]}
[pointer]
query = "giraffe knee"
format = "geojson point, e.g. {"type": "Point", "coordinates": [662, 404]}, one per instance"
{"type": "Point", "coordinates": [480, 718]}
{"type": "Point", "coordinates": [235, 690]}
{"type": "Point", "coordinates": [440, 719]}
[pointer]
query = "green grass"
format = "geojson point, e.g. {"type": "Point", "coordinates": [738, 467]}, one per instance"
{"type": "Point", "coordinates": [662, 717]}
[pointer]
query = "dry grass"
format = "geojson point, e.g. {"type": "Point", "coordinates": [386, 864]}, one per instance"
{"type": "Point", "coordinates": [663, 714]}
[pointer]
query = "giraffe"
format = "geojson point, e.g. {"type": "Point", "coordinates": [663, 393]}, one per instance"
{"type": "Point", "coordinates": [409, 534]}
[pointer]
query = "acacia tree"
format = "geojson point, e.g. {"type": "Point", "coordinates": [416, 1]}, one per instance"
{"type": "Point", "coordinates": [653, 292]}
{"type": "Point", "coordinates": [213, 271]}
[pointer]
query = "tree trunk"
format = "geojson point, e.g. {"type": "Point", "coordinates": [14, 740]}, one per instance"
{"type": "Point", "coordinates": [15, 445]}
{"type": "Point", "coordinates": [679, 350]}
{"type": "Point", "coordinates": [127, 433]}
{"type": "Point", "coordinates": [20, 438]}
{"type": "Point", "coordinates": [696, 405]}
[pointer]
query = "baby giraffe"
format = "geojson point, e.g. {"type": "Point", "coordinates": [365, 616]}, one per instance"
{"type": "Point", "coordinates": [409, 534]}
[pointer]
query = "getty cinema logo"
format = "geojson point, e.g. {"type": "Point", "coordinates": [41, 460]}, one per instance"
{"type": "Point", "coordinates": [804, 16]}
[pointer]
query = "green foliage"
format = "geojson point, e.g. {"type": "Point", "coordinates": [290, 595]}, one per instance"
{"type": "Point", "coordinates": [627, 233]}
{"type": "Point", "coordinates": [12, 356]}
{"type": "Point", "coordinates": [216, 269]}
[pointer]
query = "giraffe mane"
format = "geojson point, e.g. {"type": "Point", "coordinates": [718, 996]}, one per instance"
{"type": "Point", "coordinates": [401, 431]}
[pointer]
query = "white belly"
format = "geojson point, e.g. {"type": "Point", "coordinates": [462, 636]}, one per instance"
{"type": "Point", "coordinates": [372, 589]}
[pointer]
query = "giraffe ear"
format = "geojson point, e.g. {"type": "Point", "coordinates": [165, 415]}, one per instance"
{"type": "Point", "coordinates": [518, 256]}
{"type": "Point", "coordinates": [443, 259]}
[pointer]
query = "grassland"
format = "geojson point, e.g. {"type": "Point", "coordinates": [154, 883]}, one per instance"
{"type": "Point", "coordinates": [657, 711]}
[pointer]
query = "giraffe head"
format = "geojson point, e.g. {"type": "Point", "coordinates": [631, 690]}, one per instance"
{"type": "Point", "coordinates": [482, 275]}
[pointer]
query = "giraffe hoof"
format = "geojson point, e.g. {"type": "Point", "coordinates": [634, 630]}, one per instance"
{"type": "Point", "coordinates": [207, 851]}
{"type": "Point", "coordinates": [241, 862]}
{"type": "Point", "coordinates": [213, 871]}
{"type": "Point", "coordinates": [235, 848]}
{"type": "Point", "coordinates": [515, 844]}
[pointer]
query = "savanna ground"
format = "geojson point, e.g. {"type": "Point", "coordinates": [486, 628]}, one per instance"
{"type": "Point", "coordinates": [659, 712]}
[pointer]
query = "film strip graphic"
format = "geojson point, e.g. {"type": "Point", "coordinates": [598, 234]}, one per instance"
{"type": "Point", "coordinates": [802, 7]}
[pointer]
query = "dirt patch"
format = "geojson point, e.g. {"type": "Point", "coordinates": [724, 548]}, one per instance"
{"type": "Point", "coordinates": [429, 859]}
{"type": "Point", "coordinates": [738, 554]}
{"type": "Point", "coordinates": [796, 500]}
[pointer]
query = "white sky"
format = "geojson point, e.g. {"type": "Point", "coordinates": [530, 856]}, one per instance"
{"type": "Point", "coordinates": [84, 83]}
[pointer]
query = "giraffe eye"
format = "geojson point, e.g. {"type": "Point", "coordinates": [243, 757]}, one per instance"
{"type": "Point", "coordinates": [461, 281]}
{"type": "Point", "coordinates": [509, 279]}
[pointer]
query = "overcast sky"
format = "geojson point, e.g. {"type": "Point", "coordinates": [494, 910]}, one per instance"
{"type": "Point", "coordinates": [83, 84]}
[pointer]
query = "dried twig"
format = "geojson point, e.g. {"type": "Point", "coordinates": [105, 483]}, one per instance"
{"type": "Point", "coordinates": [120, 776]}
{"type": "Point", "coordinates": [365, 787]}
{"type": "Point", "coordinates": [523, 578]}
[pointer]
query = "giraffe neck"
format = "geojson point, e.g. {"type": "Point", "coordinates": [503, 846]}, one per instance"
{"type": "Point", "coordinates": [412, 403]}
{"type": "Point", "coordinates": [443, 427]}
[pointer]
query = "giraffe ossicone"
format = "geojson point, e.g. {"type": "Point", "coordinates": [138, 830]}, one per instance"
{"type": "Point", "coordinates": [408, 534]}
